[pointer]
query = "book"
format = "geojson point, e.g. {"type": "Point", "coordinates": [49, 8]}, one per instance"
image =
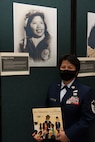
{"type": "Point", "coordinates": [47, 121]}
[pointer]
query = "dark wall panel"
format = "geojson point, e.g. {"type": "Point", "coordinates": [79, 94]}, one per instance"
{"type": "Point", "coordinates": [20, 93]}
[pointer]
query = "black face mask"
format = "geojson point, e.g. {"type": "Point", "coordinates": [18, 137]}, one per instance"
{"type": "Point", "coordinates": [67, 74]}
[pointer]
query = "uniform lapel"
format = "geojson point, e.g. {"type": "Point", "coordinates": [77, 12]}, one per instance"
{"type": "Point", "coordinates": [58, 93]}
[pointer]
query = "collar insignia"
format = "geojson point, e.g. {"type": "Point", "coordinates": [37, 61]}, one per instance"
{"type": "Point", "coordinates": [93, 106]}
{"type": "Point", "coordinates": [73, 87]}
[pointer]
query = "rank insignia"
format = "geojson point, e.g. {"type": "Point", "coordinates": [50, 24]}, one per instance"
{"type": "Point", "coordinates": [93, 106]}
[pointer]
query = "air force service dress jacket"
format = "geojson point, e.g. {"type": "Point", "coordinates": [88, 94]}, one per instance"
{"type": "Point", "coordinates": [76, 109]}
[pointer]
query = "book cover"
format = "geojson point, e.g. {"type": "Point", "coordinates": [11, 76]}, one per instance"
{"type": "Point", "coordinates": [47, 121]}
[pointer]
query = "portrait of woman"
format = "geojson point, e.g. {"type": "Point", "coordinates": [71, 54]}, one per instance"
{"type": "Point", "coordinates": [37, 34]}
{"type": "Point", "coordinates": [91, 35]}
{"type": "Point", "coordinates": [37, 41]}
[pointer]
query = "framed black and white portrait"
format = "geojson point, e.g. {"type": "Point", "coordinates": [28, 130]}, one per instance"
{"type": "Point", "coordinates": [35, 32]}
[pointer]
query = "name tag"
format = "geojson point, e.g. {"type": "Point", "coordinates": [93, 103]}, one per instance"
{"type": "Point", "coordinates": [52, 99]}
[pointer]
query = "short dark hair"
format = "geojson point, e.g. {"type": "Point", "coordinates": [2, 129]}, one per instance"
{"type": "Point", "coordinates": [72, 59]}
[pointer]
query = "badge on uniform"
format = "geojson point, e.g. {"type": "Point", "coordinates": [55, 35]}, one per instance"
{"type": "Point", "coordinates": [93, 106]}
{"type": "Point", "coordinates": [74, 99]}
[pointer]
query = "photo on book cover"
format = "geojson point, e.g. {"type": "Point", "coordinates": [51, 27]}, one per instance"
{"type": "Point", "coordinates": [47, 121]}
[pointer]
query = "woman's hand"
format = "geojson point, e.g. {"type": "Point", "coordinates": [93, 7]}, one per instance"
{"type": "Point", "coordinates": [61, 136]}
{"type": "Point", "coordinates": [37, 137]}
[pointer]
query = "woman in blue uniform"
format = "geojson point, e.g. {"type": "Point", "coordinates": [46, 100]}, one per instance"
{"type": "Point", "coordinates": [75, 100]}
